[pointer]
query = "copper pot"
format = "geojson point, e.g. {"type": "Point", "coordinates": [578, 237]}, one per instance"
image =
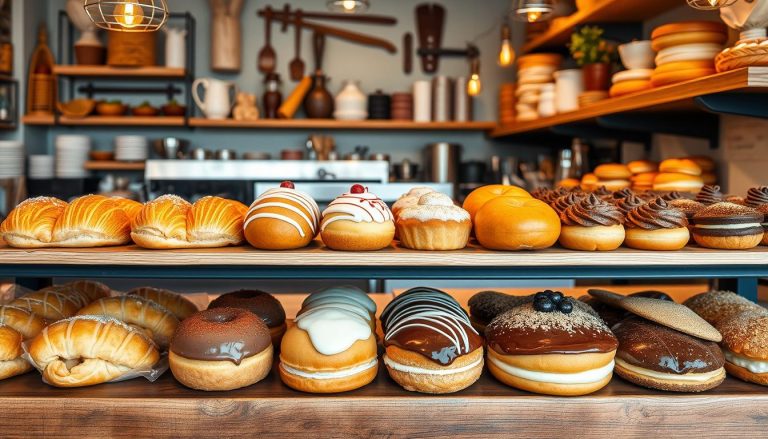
{"type": "Point", "coordinates": [597, 76]}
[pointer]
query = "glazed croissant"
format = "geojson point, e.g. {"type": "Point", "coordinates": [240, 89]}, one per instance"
{"type": "Point", "coordinates": [177, 304]}
{"type": "Point", "coordinates": [89, 350]}
{"type": "Point", "coordinates": [88, 221]}
{"type": "Point", "coordinates": [171, 222]}
{"type": "Point", "coordinates": [11, 362]}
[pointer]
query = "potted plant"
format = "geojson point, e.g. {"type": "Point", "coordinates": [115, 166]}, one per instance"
{"type": "Point", "coordinates": [595, 55]}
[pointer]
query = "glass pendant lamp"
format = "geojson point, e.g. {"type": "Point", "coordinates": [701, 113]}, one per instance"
{"type": "Point", "coordinates": [533, 11]}
{"type": "Point", "coordinates": [127, 15]}
{"type": "Point", "coordinates": [348, 6]}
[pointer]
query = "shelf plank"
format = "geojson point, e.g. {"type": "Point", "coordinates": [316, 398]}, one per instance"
{"type": "Point", "coordinates": [603, 11]}
{"type": "Point", "coordinates": [37, 119]}
{"type": "Point", "coordinates": [138, 408]}
{"type": "Point", "coordinates": [119, 72]}
{"type": "Point", "coordinates": [140, 121]}
{"type": "Point", "coordinates": [681, 94]}
{"type": "Point", "coordinates": [114, 165]}
{"type": "Point", "coordinates": [342, 124]}
{"type": "Point", "coordinates": [318, 256]}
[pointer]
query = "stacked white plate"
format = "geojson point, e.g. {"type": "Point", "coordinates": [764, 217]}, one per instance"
{"type": "Point", "coordinates": [41, 167]}
{"type": "Point", "coordinates": [11, 159]}
{"type": "Point", "coordinates": [71, 154]}
{"type": "Point", "coordinates": [530, 82]}
{"type": "Point", "coordinates": [131, 148]}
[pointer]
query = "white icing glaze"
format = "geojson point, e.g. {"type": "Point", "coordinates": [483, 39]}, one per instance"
{"type": "Point", "coordinates": [690, 377]}
{"type": "Point", "coordinates": [411, 198]}
{"type": "Point", "coordinates": [586, 377]}
{"type": "Point", "coordinates": [305, 201]}
{"type": "Point", "coordinates": [346, 292]}
{"type": "Point", "coordinates": [435, 206]}
{"type": "Point", "coordinates": [343, 373]}
{"type": "Point", "coordinates": [333, 330]}
{"type": "Point", "coordinates": [727, 226]}
{"type": "Point", "coordinates": [754, 366]}
{"type": "Point", "coordinates": [338, 303]}
{"type": "Point", "coordinates": [418, 370]}
{"type": "Point", "coordinates": [365, 207]}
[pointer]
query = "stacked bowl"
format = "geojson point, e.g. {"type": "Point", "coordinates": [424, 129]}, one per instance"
{"type": "Point", "coordinates": [131, 148]}
{"type": "Point", "coordinates": [637, 58]}
{"type": "Point", "coordinates": [41, 167]}
{"type": "Point", "coordinates": [534, 72]}
{"type": "Point", "coordinates": [11, 159]}
{"type": "Point", "coordinates": [402, 106]}
{"type": "Point", "coordinates": [71, 154]}
{"type": "Point", "coordinates": [507, 103]}
{"type": "Point", "coordinates": [686, 50]}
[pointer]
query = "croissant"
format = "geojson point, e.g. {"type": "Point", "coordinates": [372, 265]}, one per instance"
{"type": "Point", "coordinates": [130, 207]}
{"type": "Point", "coordinates": [89, 350]}
{"type": "Point", "coordinates": [91, 289]}
{"type": "Point", "coordinates": [30, 224]}
{"type": "Point", "coordinates": [48, 304]}
{"type": "Point", "coordinates": [171, 222]}
{"type": "Point", "coordinates": [155, 321]}
{"type": "Point", "coordinates": [23, 321]}
{"type": "Point", "coordinates": [11, 363]}
{"type": "Point", "coordinates": [177, 304]}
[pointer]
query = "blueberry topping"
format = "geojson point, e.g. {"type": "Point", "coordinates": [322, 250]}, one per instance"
{"type": "Point", "coordinates": [544, 305]}
{"type": "Point", "coordinates": [542, 295]}
{"type": "Point", "coordinates": [556, 296]}
{"type": "Point", "coordinates": [565, 306]}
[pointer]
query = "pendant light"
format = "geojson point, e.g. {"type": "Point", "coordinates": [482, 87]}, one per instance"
{"type": "Point", "coordinates": [474, 86]}
{"type": "Point", "coordinates": [506, 52]}
{"type": "Point", "coordinates": [708, 5]}
{"type": "Point", "coordinates": [533, 11]}
{"type": "Point", "coordinates": [127, 15]}
{"type": "Point", "coordinates": [348, 6]}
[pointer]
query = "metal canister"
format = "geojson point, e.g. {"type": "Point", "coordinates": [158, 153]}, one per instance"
{"type": "Point", "coordinates": [442, 101]}
{"type": "Point", "coordinates": [462, 104]}
{"type": "Point", "coordinates": [442, 162]}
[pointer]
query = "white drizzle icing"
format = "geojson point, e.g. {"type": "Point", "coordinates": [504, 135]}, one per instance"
{"type": "Point", "coordinates": [333, 302]}
{"type": "Point", "coordinates": [297, 197]}
{"type": "Point", "coordinates": [418, 370]}
{"type": "Point", "coordinates": [346, 292]}
{"type": "Point", "coordinates": [365, 207]}
{"type": "Point", "coordinates": [334, 329]}
{"type": "Point", "coordinates": [325, 375]}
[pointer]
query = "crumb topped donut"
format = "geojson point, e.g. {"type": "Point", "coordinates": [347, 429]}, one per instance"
{"type": "Point", "coordinates": [721, 305]}
{"type": "Point", "coordinates": [357, 221]}
{"type": "Point", "coordinates": [745, 346]}
{"type": "Point", "coordinates": [434, 223]}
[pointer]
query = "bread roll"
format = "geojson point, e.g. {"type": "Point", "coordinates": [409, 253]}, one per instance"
{"type": "Point", "coordinates": [89, 350]}
{"type": "Point", "coordinates": [215, 222]}
{"type": "Point", "coordinates": [11, 363]}
{"type": "Point", "coordinates": [92, 221]}
{"type": "Point", "coordinates": [156, 321]}
{"type": "Point", "coordinates": [91, 289]}
{"type": "Point", "coordinates": [30, 224]}
{"type": "Point", "coordinates": [162, 223]}
{"type": "Point", "coordinates": [48, 304]}
{"type": "Point", "coordinates": [177, 304]}
{"type": "Point", "coordinates": [21, 320]}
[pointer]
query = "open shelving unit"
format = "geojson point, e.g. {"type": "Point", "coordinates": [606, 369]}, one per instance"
{"type": "Point", "coordinates": [403, 125]}
{"type": "Point", "coordinates": [113, 165]}
{"type": "Point", "coordinates": [119, 72]}
{"type": "Point", "coordinates": [124, 121]}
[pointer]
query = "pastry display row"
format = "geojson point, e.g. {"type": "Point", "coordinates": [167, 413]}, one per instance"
{"type": "Point", "coordinates": [582, 217]}
{"type": "Point", "coordinates": [82, 334]}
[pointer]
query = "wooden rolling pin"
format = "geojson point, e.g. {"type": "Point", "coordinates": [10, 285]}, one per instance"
{"type": "Point", "coordinates": [292, 102]}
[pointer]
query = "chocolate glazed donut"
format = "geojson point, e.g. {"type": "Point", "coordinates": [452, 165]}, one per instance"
{"type": "Point", "coordinates": [260, 303]}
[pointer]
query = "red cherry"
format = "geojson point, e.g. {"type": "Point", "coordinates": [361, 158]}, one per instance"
{"type": "Point", "coordinates": [357, 189]}
{"type": "Point", "coordinates": [288, 184]}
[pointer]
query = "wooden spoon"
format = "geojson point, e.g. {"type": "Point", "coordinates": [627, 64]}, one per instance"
{"type": "Point", "coordinates": [266, 59]}
{"type": "Point", "coordinates": [296, 67]}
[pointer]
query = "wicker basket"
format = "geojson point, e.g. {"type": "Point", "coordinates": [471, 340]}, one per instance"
{"type": "Point", "coordinates": [131, 49]}
{"type": "Point", "coordinates": [745, 54]}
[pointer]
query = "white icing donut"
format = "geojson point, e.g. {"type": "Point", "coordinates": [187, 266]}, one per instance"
{"type": "Point", "coordinates": [363, 207]}
{"type": "Point", "coordinates": [333, 330]}
{"type": "Point", "coordinates": [300, 198]}
{"type": "Point", "coordinates": [346, 292]}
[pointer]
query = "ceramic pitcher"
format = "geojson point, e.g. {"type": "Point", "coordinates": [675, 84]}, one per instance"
{"type": "Point", "coordinates": [175, 47]}
{"type": "Point", "coordinates": [351, 103]}
{"type": "Point", "coordinates": [219, 97]}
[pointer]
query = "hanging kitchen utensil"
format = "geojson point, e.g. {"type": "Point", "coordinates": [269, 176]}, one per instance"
{"type": "Point", "coordinates": [370, 19]}
{"type": "Point", "coordinates": [226, 36]}
{"type": "Point", "coordinates": [407, 53]}
{"type": "Point", "coordinates": [429, 28]}
{"type": "Point", "coordinates": [266, 59]}
{"type": "Point", "coordinates": [318, 47]}
{"type": "Point", "coordinates": [296, 67]}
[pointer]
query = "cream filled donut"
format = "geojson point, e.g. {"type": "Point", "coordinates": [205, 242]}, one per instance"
{"type": "Point", "coordinates": [357, 221]}
{"type": "Point", "coordinates": [346, 292]}
{"type": "Point", "coordinates": [282, 219]}
{"type": "Point", "coordinates": [431, 346]}
{"type": "Point", "coordinates": [550, 346]}
{"type": "Point", "coordinates": [409, 199]}
{"type": "Point", "coordinates": [434, 223]}
{"type": "Point", "coordinates": [745, 346]}
{"type": "Point", "coordinates": [330, 349]}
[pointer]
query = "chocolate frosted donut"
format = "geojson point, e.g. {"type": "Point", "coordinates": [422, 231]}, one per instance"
{"type": "Point", "coordinates": [566, 201]}
{"type": "Point", "coordinates": [674, 195]}
{"type": "Point", "coordinates": [231, 334]}
{"type": "Point", "coordinates": [258, 302]}
{"type": "Point", "coordinates": [622, 193]}
{"type": "Point", "coordinates": [628, 203]}
{"type": "Point", "coordinates": [757, 196]}
{"type": "Point", "coordinates": [602, 191]}
{"type": "Point", "coordinates": [487, 305]}
{"type": "Point", "coordinates": [590, 212]}
{"type": "Point", "coordinates": [709, 194]}
{"type": "Point", "coordinates": [728, 226]}
{"type": "Point", "coordinates": [655, 215]}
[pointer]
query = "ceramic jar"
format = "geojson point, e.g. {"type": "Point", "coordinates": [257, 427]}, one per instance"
{"type": "Point", "coordinates": [351, 103]}
{"type": "Point", "coordinates": [546, 106]}
{"type": "Point", "coordinates": [319, 102]}
{"type": "Point", "coordinates": [175, 47]}
{"type": "Point", "coordinates": [569, 84]}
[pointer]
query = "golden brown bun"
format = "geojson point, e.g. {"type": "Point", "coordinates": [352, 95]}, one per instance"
{"type": "Point", "coordinates": [130, 207]}
{"type": "Point", "coordinates": [11, 363]}
{"type": "Point", "coordinates": [744, 374]}
{"type": "Point", "coordinates": [156, 321]}
{"type": "Point", "coordinates": [589, 182]}
{"type": "Point", "coordinates": [514, 223]}
{"type": "Point", "coordinates": [669, 385]}
{"type": "Point", "coordinates": [171, 222]}
{"type": "Point", "coordinates": [728, 242]}
{"type": "Point", "coordinates": [48, 304]}
{"type": "Point", "coordinates": [297, 351]}
{"type": "Point", "coordinates": [552, 364]}
{"type": "Point", "coordinates": [78, 298]}
{"type": "Point", "coordinates": [644, 179]}
{"type": "Point", "coordinates": [478, 197]}
{"type": "Point", "coordinates": [282, 219]}
{"type": "Point", "coordinates": [14, 367]}
{"type": "Point", "coordinates": [223, 374]}
{"type": "Point", "coordinates": [601, 238]}
{"type": "Point", "coordinates": [25, 322]}
{"type": "Point", "coordinates": [92, 221]}
{"type": "Point", "coordinates": [707, 164]}
{"type": "Point", "coordinates": [91, 289]}
{"type": "Point", "coordinates": [30, 224]}
{"type": "Point", "coordinates": [680, 166]}
{"type": "Point", "coordinates": [669, 182]}
{"type": "Point", "coordinates": [433, 234]}
{"type": "Point", "coordinates": [642, 166]}
{"type": "Point", "coordinates": [436, 384]}
{"type": "Point", "coordinates": [357, 236]}
{"type": "Point", "coordinates": [613, 171]}
{"type": "Point", "coordinates": [568, 183]}
{"type": "Point", "coordinates": [615, 185]}
{"type": "Point", "coordinates": [87, 351]}
{"type": "Point", "coordinates": [661, 239]}
{"type": "Point", "coordinates": [177, 304]}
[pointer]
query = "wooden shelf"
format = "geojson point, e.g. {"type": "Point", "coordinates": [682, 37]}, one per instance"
{"type": "Point", "coordinates": [113, 165]}
{"type": "Point", "coordinates": [138, 408]}
{"type": "Point", "coordinates": [675, 96]}
{"type": "Point", "coordinates": [603, 11]}
{"type": "Point", "coordinates": [333, 124]}
{"type": "Point", "coordinates": [119, 72]}
{"type": "Point", "coordinates": [164, 121]}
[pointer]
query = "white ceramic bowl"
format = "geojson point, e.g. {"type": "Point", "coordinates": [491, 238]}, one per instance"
{"type": "Point", "coordinates": [637, 55]}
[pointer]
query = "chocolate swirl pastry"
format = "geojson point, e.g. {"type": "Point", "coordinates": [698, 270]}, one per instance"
{"type": "Point", "coordinates": [592, 212]}
{"type": "Point", "coordinates": [552, 195]}
{"type": "Point", "coordinates": [656, 215]}
{"type": "Point", "coordinates": [674, 195]}
{"type": "Point", "coordinates": [629, 203]}
{"type": "Point", "coordinates": [623, 193]}
{"type": "Point", "coordinates": [757, 196]}
{"type": "Point", "coordinates": [566, 201]}
{"type": "Point", "coordinates": [709, 195]}
{"type": "Point", "coordinates": [602, 191]}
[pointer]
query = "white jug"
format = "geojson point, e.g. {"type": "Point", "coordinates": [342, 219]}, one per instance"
{"type": "Point", "coordinates": [218, 101]}
{"type": "Point", "coordinates": [175, 47]}
{"type": "Point", "coordinates": [568, 86]}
